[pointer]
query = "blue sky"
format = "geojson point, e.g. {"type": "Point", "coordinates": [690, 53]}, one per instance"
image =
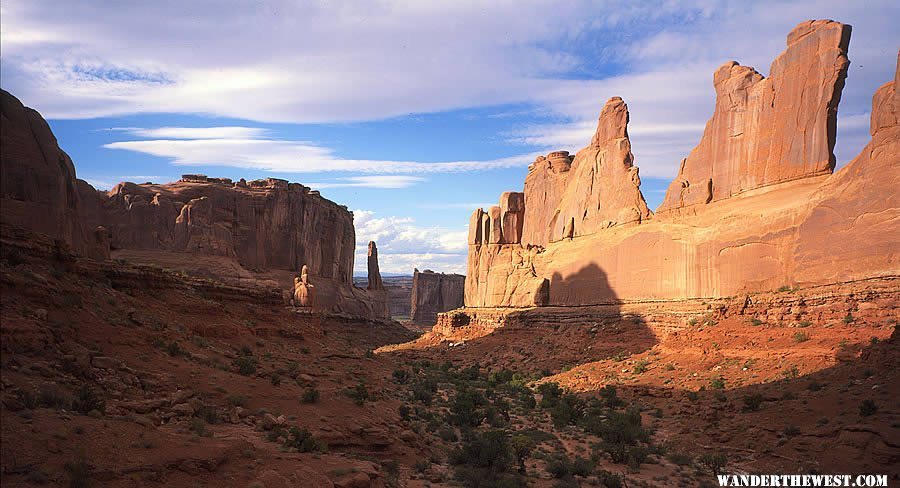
{"type": "Point", "coordinates": [410, 113]}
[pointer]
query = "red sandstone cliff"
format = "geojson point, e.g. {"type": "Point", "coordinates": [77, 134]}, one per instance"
{"type": "Point", "coordinates": [769, 130]}
{"type": "Point", "coordinates": [433, 293]}
{"type": "Point", "coordinates": [39, 188]}
{"type": "Point", "coordinates": [774, 214]}
{"type": "Point", "coordinates": [261, 232]}
{"type": "Point", "coordinates": [262, 224]}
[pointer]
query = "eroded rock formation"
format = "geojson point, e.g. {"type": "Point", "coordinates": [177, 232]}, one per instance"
{"type": "Point", "coordinates": [769, 130]}
{"type": "Point", "coordinates": [433, 293]}
{"type": "Point", "coordinates": [375, 282]}
{"type": "Point", "coordinates": [603, 187]}
{"type": "Point", "coordinates": [774, 215]}
{"type": "Point", "coordinates": [304, 294]}
{"type": "Point", "coordinates": [38, 187]}
{"type": "Point", "coordinates": [256, 232]}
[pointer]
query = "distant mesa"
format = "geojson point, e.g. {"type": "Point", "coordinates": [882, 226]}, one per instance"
{"type": "Point", "coordinates": [433, 293]}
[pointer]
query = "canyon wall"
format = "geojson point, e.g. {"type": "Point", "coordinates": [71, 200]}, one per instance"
{"type": "Point", "coordinates": [769, 130]}
{"type": "Point", "coordinates": [773, 215]}
{"type": "Point", "coordinates": [258, 232]}
{"type": "Point", "coordinates": [262, 224]}
{"type": "Point", "coordinates": [433, 293]}
{"type": "Point", "coordinates": [38, 187]}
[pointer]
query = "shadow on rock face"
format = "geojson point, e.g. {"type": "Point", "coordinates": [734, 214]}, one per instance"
{"type": "Point", "coordinates": [540, 339]}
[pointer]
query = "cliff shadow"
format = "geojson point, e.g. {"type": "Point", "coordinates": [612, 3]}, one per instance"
{"type": "Point", "coordinates": [838, 419]}
{"type": "Point", "coordinates": [540, 340]}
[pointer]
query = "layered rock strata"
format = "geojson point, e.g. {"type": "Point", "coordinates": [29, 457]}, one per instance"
{"type": "Point", "coordinates": [767, 130]}
{"type": "Point", "coordinates": [258, 232]}
{"type": "Point", "coordinates": [782, 221]}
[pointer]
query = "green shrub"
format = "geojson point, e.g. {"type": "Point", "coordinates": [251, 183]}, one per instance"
{"type": "Point", "coordinates": [79, 472]}
{"type": "Point", "coordinates": [801, 337]}
{"type": "Point", "coordinates": [404, 412]}
{"type": "Point", "coordinates": [87, 400]}
{"type": "Point", "coordinates": [237, 400]}
{"type": "Point", "coordinates": [423, 391]}
{"type": "Point", "coordinates": [609, 479]}
{"type": "Point", "coordinates": [488, 450]}
{"type": "Point", "coordinates": [640, 367]}
{"type": "Point", "coordinates": [276, 379]}
{"type": "Point", "coordinates": [447, 434]}
{"type": "Point", "coordinates": [550, 394]}
{"type": "Point", "coordinates": [559, 466]}
{"type": "Point", "coordinates": [51, 397]}
{"type": "Point", "coordinates": [174, 349]}
{"type": "Point", "coordinates": [359, 393]}
{"type": "Point", "coordinates": [421, 466]}
{"type": "Point", "coordinates": [867, 408]}
{"type": "Point", "coordinates": [715, 462]}
{"type": "Point", "coordinates": [198, 427]}
{"type": "Point", "coordinates": [500, 377]}
{"type": "Point", "coordinates": [310, 395]}
{"type": "Point", "coordinates": [401, 376]}
{"type": "Point", "coordinates": [303, 441]}
{"type": "Point", "coordinates": [622, 433]}
{"type": "Point", "coordinates": [246, 365]}
{"type": "Point", "coordinates": [680, 458]}
{"type": "Point", "coordinates": [717, 383]}
{"type": "Point", "coordinates": [467, 408]}
{"type": "Point", "coordinates": [522, 446]}
{"type": "Point", "coordinates": [848, 319]}
{"type": "Point", "coordinates": [752, 402]}
{"type": "Point", "coordinates": [568, 410]}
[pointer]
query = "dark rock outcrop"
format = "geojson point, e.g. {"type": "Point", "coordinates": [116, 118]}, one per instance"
{"type": "Point", "coordinates": [38, 186]}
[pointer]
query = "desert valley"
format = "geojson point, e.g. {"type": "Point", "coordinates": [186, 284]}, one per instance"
{"type": "Point", "coordinates": [210, 331]}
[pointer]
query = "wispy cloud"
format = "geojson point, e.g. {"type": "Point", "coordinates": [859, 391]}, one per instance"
{"type": "Point", "coordinates": [315, 63]}
{"type": "Point", "coordinates": [455, 206]}
{"type": "Point", "coordinates": [386, 181]}
{"type": "Point", "coordinates": [228, 132]}
{"type": "Point", "coordinates": [285, 156]}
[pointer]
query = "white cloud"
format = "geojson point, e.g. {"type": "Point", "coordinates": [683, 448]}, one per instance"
{"type": "Point", "coordinates": [232, 132]}
{"type": "Point", "coordinates": [388, 182]}
{"type": "Point", "coordinates": [404, 245]}
{"type": "Point", "coordinates": [314, 63]}
{"type": "Point", "coordinates": [251, 151]}
{"type": "Point", "coordinates": [667, 81]}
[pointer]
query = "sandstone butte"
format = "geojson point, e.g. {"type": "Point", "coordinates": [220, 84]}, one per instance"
{"type": "Point", "coordinates": [754, 207]}
{"type": "Point", "coordinates": [259, 232]}
{"type": "Point", "coordinates": [433, 293]}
